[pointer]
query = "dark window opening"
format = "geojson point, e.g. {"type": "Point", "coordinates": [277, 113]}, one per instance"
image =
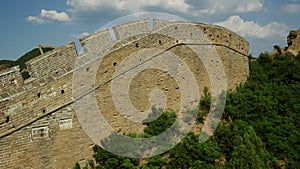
{"type": "Point", "coordinates": [115, 63]}
{"type": "Point", "coordinates": [137, 45]}
{"type": "Point", "coordinates": [176, 41]}
{"type": "Point", "coordinates": [87, 69]}
{"type": "Point", "coordinates": [229, 35]}
{"type": "Point", "coordinates": [204, 29]}
{"type": "Point", "coordinates": [39, 95]}
{"type": "Point", "coordinates": [7, 119]}
{"type": "Point", "coordinates": [44, 110]}
{"type": "Point", "coordinates": [159, 42]}
{"type": "Point", "coordinates": [191, 34]}
{"type": "Point", "coordinates": [176, 28]}
{"type": "Point", "coordinates": [217, 36]}
{"type": "Point", "coordinates": [62, 91]}
{"type": "Point", "coordinates": [57, 72]}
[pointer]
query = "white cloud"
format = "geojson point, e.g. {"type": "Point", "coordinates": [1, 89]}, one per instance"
{"type": "Point", "coordinates": [81, 35]}
{"type": "Point", "coordinates": [250, 6]}
{"type": "Point", "coordinates": [291, 8]}
{"type": "Point", "coordinates": [252, 29]}
{"type": "Point", "coordinates": [35, 19]}
{"type": "Point", "coordinates": [128, 5]}
{"type": "Point", "coordinates": [92, 10]}
{"type": "Point", "coordinates": [232, 6]}
{"type": "Point", "coordinates": [49, 16]}
{"type": "Point", "coordinates": [194, 8]}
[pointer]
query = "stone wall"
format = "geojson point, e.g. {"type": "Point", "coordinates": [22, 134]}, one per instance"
{"type": "Point", "coordinates": [132, 28]}
{"type": "Point", "coordinates": [216, 35]}
{"type": "Point", "coordinates": [52, 61]}
{"type": "Point", "coordinates": [99, 39]}
{"type": "Point", "coordinates": [10, 78]}
{"type": "Point", "coordinates": [233, 55]}
{"type": "Point", "coordinates": [38, 124]}
{"type": "Point", "coordinates": [55, 141]}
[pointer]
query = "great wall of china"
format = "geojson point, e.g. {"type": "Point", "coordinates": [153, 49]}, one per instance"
{"type": "Point", "coordinates": [38, 124]}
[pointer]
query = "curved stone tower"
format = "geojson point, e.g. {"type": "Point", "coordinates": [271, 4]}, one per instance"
{"type": "Point", "coordinates": [38, 124]}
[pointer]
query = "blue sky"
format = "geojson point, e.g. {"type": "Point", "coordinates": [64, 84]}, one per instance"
{"type": "Point", "coordinates": [28, 23]}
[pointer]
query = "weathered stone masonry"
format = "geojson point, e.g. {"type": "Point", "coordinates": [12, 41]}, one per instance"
{"type": "Point", "coordinates": [10, 78]}
{"type": "Point", "coordinates": [38, 124]}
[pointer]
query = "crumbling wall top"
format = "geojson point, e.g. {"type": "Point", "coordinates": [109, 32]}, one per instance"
{"type": "Point", "coordinates": [10, 78]}
{"type": "Point", "coordinates": [98, 40]}
{"type": "Point", "coordinates": [216, 35]}
{"type": "Point", "coordinates": [53, 61]}
{"type": "Point", "coordinates": [9, 70]}
{"type": "Point", "coordinates": [132, 28]}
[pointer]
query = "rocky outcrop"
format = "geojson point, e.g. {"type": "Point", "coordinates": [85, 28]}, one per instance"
{"type": "Point", "coordinates": [293, 42]}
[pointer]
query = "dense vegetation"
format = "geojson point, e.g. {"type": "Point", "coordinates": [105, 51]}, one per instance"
{"type": "Point", "coordinates": [8, 63]}
{"type": "Point", "coordinates": [26, 57]}
{"type": "Point", "coordinates": [260, 127]}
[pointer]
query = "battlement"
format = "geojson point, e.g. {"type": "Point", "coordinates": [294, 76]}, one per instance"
{"type": "Point", "coordinates": [132, 28]}
{"type": "Point", "coordinates": [53, 61]}
{"type": "Point", "coordinates": [222, 36]}
{"type": "Point", "coordinates": [132, 31]}
{"type": "Point", "coordinates": [99, 40]}
{"type": "Point", "coordinates": [216, 35]}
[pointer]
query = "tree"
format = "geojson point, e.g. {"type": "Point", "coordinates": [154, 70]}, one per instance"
{"type": "Point", "coordinates": [161, 124]}
{"type": "Point", "coordinates": [245, 150]}
{"type": "Point", "coordinates": [190, 153]}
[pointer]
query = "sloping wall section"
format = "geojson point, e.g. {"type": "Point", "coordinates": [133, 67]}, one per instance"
{"type": "Point", "coordinates": [38, 124]}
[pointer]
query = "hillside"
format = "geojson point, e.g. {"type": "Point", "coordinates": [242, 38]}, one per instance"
{"type": "Point", "coordinates": [6, 64]}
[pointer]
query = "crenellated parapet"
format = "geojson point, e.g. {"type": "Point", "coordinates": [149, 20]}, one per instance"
{"type": "Point", "coordinates": [132, 28]}
{"type": "Point", "coordinates": [53, 61]}
{"type": "Point", "coordinates": [216, 35]}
